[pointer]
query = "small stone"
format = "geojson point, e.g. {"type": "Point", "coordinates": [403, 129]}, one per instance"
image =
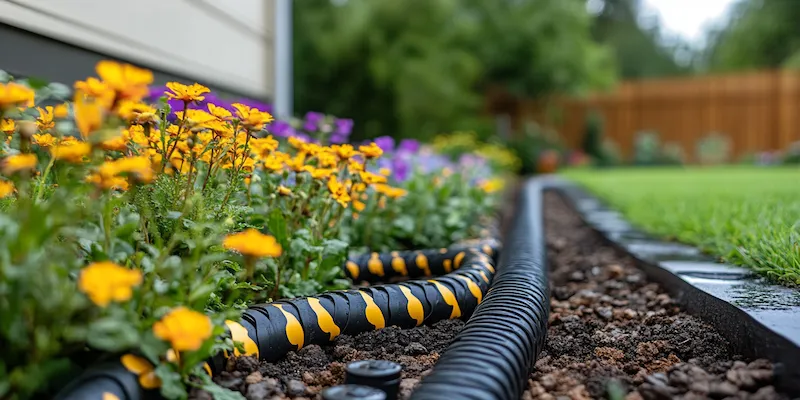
{"type": "Point", "coordinates": [615, 271]}
{"type": "Point", "coordinates": [247, 364]}
{"type": "Point", "coordinates": [765, 393]}
{"type": "Point", "coordinates": [415, 349]}
{"type": "Point", "coordinates": [258, 391]}
{"type": "Point", "coordinates": [578, 393]}
{"type": "Point", "coordinates": [720, 390]}
{"type": "Point", "coordinates": [255, 377]}
{"type": "Point", "coordinates": [748, 378]}
{"type": "Point", "coordinates": [604, 313]}
{"type": "Point", "coordinates": [229, 381]}
{"type": "Point", "coordinates": [295, 388]}
{"type": "Point", "coordinates": [629, 313]}
{"type": "Point", "coordinates": [201, 395]}
{"type": "Point", "coordinates": [633, 278]}
{"type": "Point", "coordinates": [308, 378]}
{"type": "Point", "coordinates": [562, 293]}
{"type": "Point", "coordinates": [609, 353]}
{"type": "Point", "coordinates": [407, 385]}
{"type": "Point", "coordinates": [702, 387]}
{"type": "Point", "coordinates": [634, 396]}
{"type": "Point", "coordinates": [548, 382]}
{"type": "Point", "coordinates": [272, 384]}
{"type": "Point", "coordinates": [577, 276]}
{"type": "Point", "coordinates": [657, 379]}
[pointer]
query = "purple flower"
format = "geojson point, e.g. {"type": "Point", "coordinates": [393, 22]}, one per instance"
{"type": "Point", "coordinates": [386, 143]}
{"type": "Point", "coordinates": [312, 121]}
{"type": "Point", "coordinates": [343, 127]}
{"type": "Point", "coordinates": [281, 129]}
{"type": "Point", "coordinates": [408, 145]}
{"type": "Point", "coordinates": [401, 169]}
{"type": "Point", "coordinates": [261, 106]}
{"type": "Point", "coordinates": [337, 138]}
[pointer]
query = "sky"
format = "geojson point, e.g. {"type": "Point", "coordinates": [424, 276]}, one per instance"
{"type": "Point", "coordinates": [689, 17]}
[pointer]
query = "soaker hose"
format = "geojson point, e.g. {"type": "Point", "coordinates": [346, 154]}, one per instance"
{"type": "Point", "coordinates": [270, 331]}
{"type": "Point", "coordinates": [490, 358]}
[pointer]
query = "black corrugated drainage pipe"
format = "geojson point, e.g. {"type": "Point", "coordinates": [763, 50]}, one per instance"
{"type": "Point", "coordinates": [269, 331]}
{"type": "Point", "coordinates": [491, 357]}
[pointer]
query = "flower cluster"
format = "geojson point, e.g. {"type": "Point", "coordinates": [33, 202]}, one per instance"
{"type": "Point", "coordinates": [167, 217]}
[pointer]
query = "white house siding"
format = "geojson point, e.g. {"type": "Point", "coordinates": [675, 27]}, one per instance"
{"type": "Point", "coordinates": [228, 43]}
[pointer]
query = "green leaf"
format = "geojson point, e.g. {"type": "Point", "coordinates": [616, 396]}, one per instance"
{"type": "Point", "coordinates": [277, 226]}
{"type": "Point", "coordinates": [172, 386]}
{"type": "Point", "coordinates": [112, 334]}
{"type": "Point", "coordinates": [217, 392]}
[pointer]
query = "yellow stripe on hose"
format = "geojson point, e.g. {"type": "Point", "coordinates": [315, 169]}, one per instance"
{"type": "Point", "coordinates": [473, 288]}
{"type": "Point", "coordinates": [487, 249]}
{"type": "Point", "coordinates": [449, 298]}
{"type": "Point", "coordinates": [353, 268]}
{"type": "Point", "coordinates": [448, 265]}
{"type": "Point", "coordinates": [443, 250]}
{"type": "Point", "coordinates": [399, 265]}
{"type": "Point", "coordinates": [414, 307]}
{"type": "Point", "coordinates": [458, 259]}
{"type": "Point", "coordinates": [294, 330]}
{"type": "Point", "coordinates": [375, 265]}
{"type": "Point", "coordinates": [422, 263]}
{"type": "Point", "coordinates": [373, 313]}
{"type": "Point", "coordinates": [489, 267]}
{"type": "Point", "coordinates": [483, 275]}
{"type": "Point", "coordinates": [207, 368]}
{"type": "Point", "coordinates": [324, 318]}
{"type": "Point", "coordinates": [239, 334]}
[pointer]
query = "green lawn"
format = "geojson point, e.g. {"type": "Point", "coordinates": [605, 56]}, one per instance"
{"type": "Point", "coordinates": [746, 215]}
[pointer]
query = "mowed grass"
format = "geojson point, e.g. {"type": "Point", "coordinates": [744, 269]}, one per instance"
{"type": "Point", "coordinates": [745, 215]}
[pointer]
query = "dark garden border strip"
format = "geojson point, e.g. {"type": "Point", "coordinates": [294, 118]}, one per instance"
{"type": "Point", "coordinates": [270, 331]}
{"type": "Point", "coordinates": [758, 318]}
{"type": "Point", "coordinates": [492, 356]}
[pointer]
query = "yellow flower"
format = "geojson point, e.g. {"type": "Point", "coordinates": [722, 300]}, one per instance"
{"type": "Point", "coordinates": [8, 126]}
{"type": "Point", "coordinates": [193, 92]}
{"type": "Point", "coordinates": [96, 89]}
{"type": "Point", "coordinates": [263, 146]}
{"type": "Point", "coordinates": [129, 82]}
{"type": "Point", "coordinates": [111, 182]}
{"type": "Point", "coordinates": [252, 118]}
{"type": "Point", "coordinates": [185, 329]}
{"type": "Point", "coordinates": [19, 162]}
{"type": "Point", "coordinates": [61, 110]}
{"type": "Point", "coordinates": [220, 113]}
{"type": "Point", "coordinates": [491, 185]}
{"type": "Point", "coordinates": [355, 166]}
{"type": "Point", "coordinates": [371, 151]}
{"type": "Point", "coordinates": [273, 162]}
{"type": "Point", "coordinates": [344, 151]}
{"type": "Point", "coordinates": [46, 118]}
{"type": "Point", "coordinates": [6, 188]}
{"type": "Point", "coordinates": [116, 143]}
{"type": "Point", "coordinates": [71, 151]}
{"type": "Point", "coordinates": [284, 191]}
{"type": "Point", "coordinates": [389, 191]}
{"type": "Point", "coordinates": [142, 368]}
{"type": "Point", "coordinates": [320, 173]}
{"type": "Point", "coordinates": [88, 113]}
{"type": "Point", "coordinates": [15, 95]}
{"type": "Point", "coordinates": [385, 171]}
{"type": "Point", "coordinates": [44, 139]}
{"type": "Point", "coordinates": [106, 281]}
{"type": "Point", "coordinates": [253, 243]}
{"type": "Point", "coordinates": [296, 142]}
{"type": "Point", "coordinates": [338, 191]}
{"type": "Point", "coordinates": [136, 112]}
{"type": "Point", "coordinates": [370, 178]}
{"type": "Point", "coordinates": [327, 158]}
{"type": "Point", "coordinates": [359, 205]}
{"type": "Point", "coordinates": [195, 118]}
{"type": "Point", "coordinates": [140, 168]}
{"type": "Point", "coordinates": [296, 164]}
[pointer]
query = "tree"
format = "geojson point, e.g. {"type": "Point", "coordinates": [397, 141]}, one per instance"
{"type": "Point", "coordinates": [418, 67]}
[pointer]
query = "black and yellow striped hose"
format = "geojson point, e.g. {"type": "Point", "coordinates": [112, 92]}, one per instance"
{"type": "Point", "coordinates": [270, 331]}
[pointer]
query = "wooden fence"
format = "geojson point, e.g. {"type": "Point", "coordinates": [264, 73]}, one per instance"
{"type": "Point", "coordinates": [758, 111]}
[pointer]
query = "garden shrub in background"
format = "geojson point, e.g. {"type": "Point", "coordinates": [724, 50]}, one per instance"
{"type": "Point", "coordinates": [457, 144]}
{"type": "Point", "coordinates": [137, 228]}
{"type": "Point", "coordinates": [792, 154]}
{"type": "Point", "coordinates": [713, 149]}
{"type": "Point", "coordinates": [673, 154]}
{"type": "Point", "coordinates": [531, 143]}
{"type": "Point", "coordinates": [646, 148]}
{"type": "Point", "coordinates": [592, 143]}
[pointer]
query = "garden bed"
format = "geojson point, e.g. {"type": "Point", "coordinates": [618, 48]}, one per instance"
{"type": "Point", "coordinates": [612, 332]}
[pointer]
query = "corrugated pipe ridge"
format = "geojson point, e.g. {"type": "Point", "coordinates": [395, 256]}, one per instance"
{"type": "Point", "coordinates": [491, 357]}
{"type": "Point", "coordinates": [269, 331]}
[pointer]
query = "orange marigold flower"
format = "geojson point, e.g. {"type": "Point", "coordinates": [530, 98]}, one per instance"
{"type": "Point", "coordinates": [15, 95]}
{"type": "Point", "coordinates": [297, 143]}
{"type": "Point", "coordinates": [44, 139]}
{"type": "Point", "coordinates": [71, 151]}
{"type": "Point", "coordinates": [371, 151]}
{"type": "Point", "coordinates": [142, 368]}
{"type": "Point", "coordinates": [296, 164]}
{"type": "Point", "coordinates": [8, 126]}
{"type": "Point", "coordinates": [263, 146]}
{"type": "Point", "coordinates": [6, 188]}
{"type": "Point", "coordinates": [108, 182]}
{"type": "Point", "coordinates": [220, 113]}
{"type": "Point", "coordinates": [370, 178]}
{"type": "Point", "coordinates": [338, 191]}
{"type": "Point", "coordinates": [253, 243]}
{"type": "Point", "coordinates": [46, 119]}
{"type": "Point", "coordinates": [88, 114]}
{"type": "Point", "coordinates": [188, 93]}
{"type": "Point", "coordinates": [273, 162]}
{"type": "Point", "coordinates": [129, 82]}
{"type": "Point", "coordinates": [251, 117]}
{"type": "Point", "coordinates": [344, 151]}
{"type": "Point", "coordinates": [116, 143]}
{"type": "Point", "coordinates": [106, 281]}
{"type": "Point", "coordinates": [97, 90]}
{"type": "Point", "coordinates": [137, 112]}
{"type": "Point", "coordinates": [391, 192]}
{"type": "Point", "coordinates": [19, 162]}
{"type": "Point", "coordinates": [359, 205]}
{"type": "Point", "coordinates": [184, 329]}
{"type": "Point", "coordinates": [319, 173]}
{"type": "Point", "coordinates": [61, 110]}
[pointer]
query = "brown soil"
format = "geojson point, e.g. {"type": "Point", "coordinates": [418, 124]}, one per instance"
{"type": "Point", "coordinates": [302, 375]}
{"type": "Point", "coordinates": [614, 335]}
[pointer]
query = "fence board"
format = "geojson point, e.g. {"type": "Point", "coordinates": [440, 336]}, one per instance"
{"type": "Point", "coordinates": [757, 111]}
